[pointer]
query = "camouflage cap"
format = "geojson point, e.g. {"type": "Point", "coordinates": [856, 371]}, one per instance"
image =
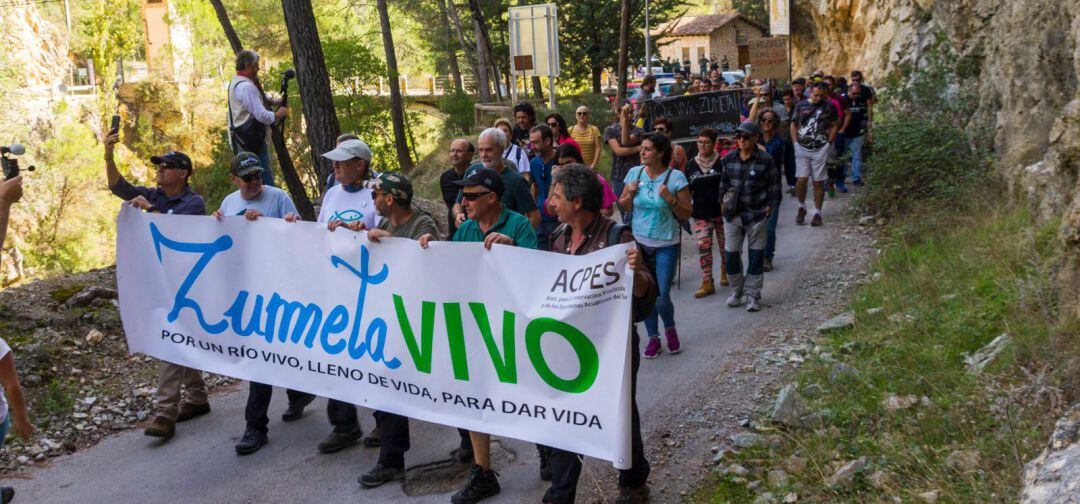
{"type": "Point", "coordinates": [394, 184]}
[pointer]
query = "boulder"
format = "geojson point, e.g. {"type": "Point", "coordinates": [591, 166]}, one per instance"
{"type": "Point", "coordinates": [790, 407]}
{"type": "Point", "coordinates": [977, 361]}
{"type": "Point", "coordinates": [841, 321]}
{"type": "Point", "coordinates": [846, 474]}
{"type": "Point", "coordinates": [1054, 475]}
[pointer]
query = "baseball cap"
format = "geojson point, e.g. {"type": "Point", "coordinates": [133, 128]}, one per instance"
{"type": "Point", "coordinates": [349, 149]}
{"type": "Point", "coordinates": [394, 184]}
{"type": "Point", "coordinates": [748, 127]}
{"type": "Point", "coordinates": [173, 158]}
{"type": "Point", "coordinates": [245, 163]}
{"type": "Point", "coordinates": [486, 178]}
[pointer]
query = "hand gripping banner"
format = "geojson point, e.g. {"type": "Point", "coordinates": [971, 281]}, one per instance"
{"type": "Point", "coordinates": [511, 342]}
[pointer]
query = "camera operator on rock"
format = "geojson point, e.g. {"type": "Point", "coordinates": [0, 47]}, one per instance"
{"type": "Point", "coordinates": [249, 112]}
{"type": "Point", "coordinates": [172, 195]}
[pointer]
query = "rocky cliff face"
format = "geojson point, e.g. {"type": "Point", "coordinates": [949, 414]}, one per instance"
{"type": "Point", "coordinates": [1021, 56]}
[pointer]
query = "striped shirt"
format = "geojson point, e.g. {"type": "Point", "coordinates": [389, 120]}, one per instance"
{"type": "Point", "coordinates": [586, 138]}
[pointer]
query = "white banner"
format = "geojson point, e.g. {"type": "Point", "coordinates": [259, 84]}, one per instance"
{"type": "Point", "coordinates": [779, 17]}
{"type": "Point", "coordinates": [512, 342]}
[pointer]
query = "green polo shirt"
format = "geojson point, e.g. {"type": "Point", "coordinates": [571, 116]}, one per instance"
{"type": "Point", "coordinates": [510, 223]}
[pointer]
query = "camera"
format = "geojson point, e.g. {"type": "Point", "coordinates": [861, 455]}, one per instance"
{"type": "Point", "coordinates": [8, 162]}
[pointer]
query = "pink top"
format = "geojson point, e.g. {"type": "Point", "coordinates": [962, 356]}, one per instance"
{"type": "Point", "coordinates": [568, 140]}
{"type": "Point", "coordinates": [609, 198]}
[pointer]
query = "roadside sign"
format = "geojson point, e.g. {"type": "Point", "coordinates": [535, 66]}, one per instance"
{"type": "Point", "coordinates": [779, 17]}
{"type": "Point", "coordinates": [534, 41]}
{"type": "Point", "coordinates": [769, 58]}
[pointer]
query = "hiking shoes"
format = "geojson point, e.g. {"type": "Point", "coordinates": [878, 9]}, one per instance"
{"type": "Point", "coordinates": [752, 304]}
{"type": "Point", "coordinates": [373, 440]}
{"type": "Point", "coordinates": [800, 218]}
{"type": "Point", "coordinates": [296, 409]}
{"type": "Point", "coordinates": [161, 427]}
{"type": "Point", "coordinates": [189, 411]}
{"type": "Point", "coordinates": [707, 289]}
{"type": "Point", "coordinates": [481, 485]}
{"type": "Point", "coordinates": [379, 475]}
{"type": "Point", "coordinates": [462, 455]}
{"type": "Point", "coordinates": [735, 300]}
{"type": "Point", "coordinates": [767, 265]}
{"type": "Point", "coordinates": [627, 495]}
{"type": "Point", "coordinates": [673, 345]}
{"type": "Point", "coordinates": [252, 440]}
{"type": "Point", "coordinates": [338, 441]}
{"type": "Point", "coordinates": [816, 221]}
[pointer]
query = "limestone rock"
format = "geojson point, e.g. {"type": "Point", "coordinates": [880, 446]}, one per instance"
{"type": "Point", "coordinates": [841, 321]}
{"type": "Point", "coordinates": [846, 474]}
{"type": "Point", "coordinates": [963, 461]}
{"type": "Point", "coordinates": [929, 497]}
{"type": "Point", "coordinates": [790, 407]}
{"type": "Point", "coordinates": [840, 372]}
{"type": "Point", "coordinates": [1054, 475]}
{"type": "Point", "coordinates": [894, 403]}
{"type": "Point", "coordinates": [983, 356]}
{"type": "Point", "coordinates": [94, 337]}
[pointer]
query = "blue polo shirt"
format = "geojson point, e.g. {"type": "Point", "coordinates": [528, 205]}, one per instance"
{"type": "Point", "coordinates": [510, 223]}
{"type": "Point", "coordinates": [541, 175]}
{"type": "Point", "coordinates": [185, 203]}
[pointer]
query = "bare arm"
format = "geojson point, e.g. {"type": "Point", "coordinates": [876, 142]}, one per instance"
{"type": "Point", "coordinates": [794, 132]}
{"type": "Point", "coordinates": [10, 380]}
{"type": "Point", "coordinates": [10, 192]}
{"type": "Point", "coordinates": [111, 172]}
{"type": "Point", "coordinates": [619, 150]}
{"type": "Point", "coordinates": [599, 145]}
{"type": "Point", "coordinates": [534, 218]}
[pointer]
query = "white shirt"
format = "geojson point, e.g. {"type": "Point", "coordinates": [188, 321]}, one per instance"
{"type": "Point", "coordinates": [517, 155]}
{"type": "Point", "coordinates": [339, 204]}
{"type": "Point", "coordinates": [245, 101]}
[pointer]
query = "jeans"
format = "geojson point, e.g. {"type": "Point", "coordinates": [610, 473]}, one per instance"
{"type": "Point", "coordinates": [566, 466]}
{"type": "Point", "coordinates": [268, 171]}
{"type": "Point", "coordinates": [770, 232]}
{"type": "Point", "coordinates": [4, 429]}
{"type": "Point", "coordinates": [342, 416]}
{"type": "Point", "coordinates": [258, 402]}
{"type": "Point", "coordinates": [662, 261]}
{"type": "Point", "coordinates": [854, 146]}
{"type": "Point", "coordinates": [754, 235]}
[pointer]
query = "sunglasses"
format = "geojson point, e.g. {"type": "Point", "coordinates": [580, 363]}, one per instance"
{"type": "Point", "coordinates": [251, 177]}
{"type": "Point", "coordinates": [553, 125]}
{"type": "Point", "coordinates": [165, 166]}
{"type": "Point", "coordinates": [473, 196]}
{"type": "Point", "coordinates": [583, 113]}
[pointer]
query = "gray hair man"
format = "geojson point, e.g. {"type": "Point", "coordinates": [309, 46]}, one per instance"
{"type": "Point", "coordinates": [249, 112]}
{"type": "Point", "coordinates": [517, 197]}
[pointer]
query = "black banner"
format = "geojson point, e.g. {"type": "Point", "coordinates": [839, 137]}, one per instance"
{"type": "Point", "coordinates": [694, 112]}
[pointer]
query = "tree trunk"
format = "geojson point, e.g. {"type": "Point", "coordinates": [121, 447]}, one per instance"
{"type": "Point", "coordinates": [230, 33]}
{"type": "Point", "coordinates": [481, 65]}
{"type": "Point", "coordinates": [288, 170]}
{"type": "Point", "coordinates": [596, 85]}
{"type": "Point", "coordinates": [397, 108]}
{"type": "Point", "coordinates": [624, 45]}
{"type": "Point", "coordinates": [451, 54]}
{"type": "Point", "coordinates": [538, 87]}
{"type": "Point", "coordinates": [455, 23]}
{"type": "Point", "coordinates": [315, 95]}
{"type": "Point", "coordinates": [484, 41]}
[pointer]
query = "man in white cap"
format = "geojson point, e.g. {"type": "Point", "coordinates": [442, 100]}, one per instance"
{"type": "Point", "coordinates": [347, 202]}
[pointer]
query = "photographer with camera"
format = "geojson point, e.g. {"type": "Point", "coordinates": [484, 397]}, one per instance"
{"type": "Point", "coordinates": [172, 195]}
{"type": "Point", "coordinates": [249, 112]}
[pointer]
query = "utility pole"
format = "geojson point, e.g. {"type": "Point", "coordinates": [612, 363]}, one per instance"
{"type": "Point", "coordinates": [648, 62]}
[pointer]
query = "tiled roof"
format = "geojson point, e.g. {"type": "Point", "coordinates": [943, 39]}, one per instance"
{"type": "Point", "coordinates": [702, 25]}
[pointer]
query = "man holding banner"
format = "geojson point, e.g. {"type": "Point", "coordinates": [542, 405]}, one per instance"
{"type": "Point", "coordinates": [576, 195]}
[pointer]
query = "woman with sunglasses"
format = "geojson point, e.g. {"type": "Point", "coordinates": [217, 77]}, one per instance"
{"type": "Point", "coordinates": [659, 198]}
{"type": "Point", "coordinates": [773, 142]}
{"type": "Point", "coordinates": [588, 137]}
{"type": "Point", "coordinates": [558, 131]}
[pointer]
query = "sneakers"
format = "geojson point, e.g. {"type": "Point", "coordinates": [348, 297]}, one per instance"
{"type": "Point", "coordinates": [857, 182]}
{"type": "Point", "coordinates": [161, 427]}
{"type": "Point", "coordinates": [816, 221]}
{"type": "Point", "coordinates": [462, 455]}
{"type": "Point", "coordinates": [841, 187]}
{"type": "Point", "coordinates": [380, 474]}
{"type": "Point", "coordinates": [373, 440]}
{"type": "Point", "coordinates": [251, 442]}
{"type": "Point", "coordinates": [627, 495]}
{"type": "Point", "coordinates": [723, 278]}
{"type": "Point", "coordinates": [653, 348]}
{"type": "Point", "coordinates": [752, 304]}
{"type": "Point", "coordinates": [767, 266]}
{"type": "Point", "coordinates": [791, 190]}
{"type": "Point", "coordinates": [735, 300]}
{"type": "Point", "coordinates": [481, 485]}
{"type": "Point", "coordinates": [800, 218]}
{"type": "Point", "coordinates": [673, 346]}
{"type": "Point", "coordinates": [338, 441]}
{"type": "Point", "coordinates": [189, 411]}
{"type": "Point", "coordinates": [296, 409]}
{"type": "Point", "coordinates": [707, 289]}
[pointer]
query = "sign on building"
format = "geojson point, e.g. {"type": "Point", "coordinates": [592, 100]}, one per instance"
{"type": "Point", "coordinates": [779, 17]}
{"type": "Point", "coordinates": [769, 58]}
{"type": "Point", "coordinates": [534, 43]}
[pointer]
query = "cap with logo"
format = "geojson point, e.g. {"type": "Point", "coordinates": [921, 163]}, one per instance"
{"type": "Point", "coordinates": [350, 149]}
{"type": "Point", "coordinates": [394, 184]}
{"type": "Point", "coordinates": [486, 178]}
{"type": "Point", "coordinates": [748, 128]}
{"type": "Point", "coordinates": [176, 159]}
{"type": "Point", "coordinates": [245, 163]}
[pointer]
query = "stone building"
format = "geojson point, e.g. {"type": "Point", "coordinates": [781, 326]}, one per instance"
{"type": "Point", "coordinates": [714, 35]}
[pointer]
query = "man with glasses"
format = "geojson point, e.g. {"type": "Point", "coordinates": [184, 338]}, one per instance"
{"type": "Point", "coordinates": [490, 222]}
{"type": "Point", "coordinates": [587, 136]}
{"type": "Point", "coordinates": [517, 196]}
{"type": "Point", "coordinates": [172, 195]}
{"type": "Point", "coordinates": [754, 179]}
{"type": "Point", "coordinates": [461, 155]}
{"type": "Point", "coordinates": [252, 200]}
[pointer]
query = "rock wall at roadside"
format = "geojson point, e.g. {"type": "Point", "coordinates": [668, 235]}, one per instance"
{"type": "Point", "coordinates": [1023, 58]}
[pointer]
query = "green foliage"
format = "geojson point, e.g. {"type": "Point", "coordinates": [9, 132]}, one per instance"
{"type": "Point", "coordinates": [458, 108]}
{"type": "Point", "coordinates": [213, 182]}
{"type": "Point", "coordinates": [756, 10]}
{"type": "Point", "coordinates": [961, 282]}
{"type": "Point", "coordinates": [57, 400]}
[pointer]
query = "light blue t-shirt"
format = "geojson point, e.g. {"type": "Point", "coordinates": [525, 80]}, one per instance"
{"type": "Point", "coordinates": [654, 223]}
{"type": "Point", "coordinates": [271, 202]}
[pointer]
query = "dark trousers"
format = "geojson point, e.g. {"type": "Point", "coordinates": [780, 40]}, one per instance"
{"type": "Point", "coordinates": [789, 162]}
{"type": "Point", "coordinates": [342, 416]}
{"type": "Point", "coordinates": [258, 402]}
{"type": "Point", "coordinates": [394, 435]}
{"type": "Point", "coordinates": [566, 466]}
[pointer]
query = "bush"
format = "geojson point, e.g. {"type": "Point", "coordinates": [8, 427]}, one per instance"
{"type": "Point", "coordinates": [458, 108]}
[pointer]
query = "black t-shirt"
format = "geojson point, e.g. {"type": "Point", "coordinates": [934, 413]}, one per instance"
{"type": "Point", "coordinates": [859, 114]}
{"type": "Point", "coordinates": [704, 190]}
{"type": "Point", "coordinates": [449, 194]}
{"type": "Point", "coordinates": [814, 120]}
